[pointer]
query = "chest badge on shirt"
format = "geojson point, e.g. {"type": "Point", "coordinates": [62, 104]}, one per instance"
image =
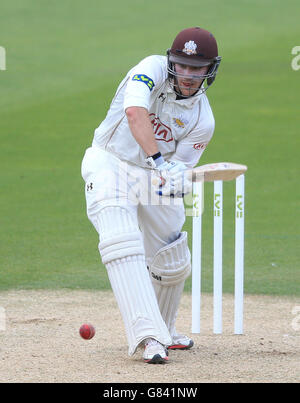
{"type": "Point", "coordinates": [180, 122]}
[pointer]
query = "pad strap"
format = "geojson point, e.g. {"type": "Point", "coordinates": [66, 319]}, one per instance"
{"type": "Point", "coordinates": [119, 246]}
{"type": "Point", "coordinates": [119, 234]}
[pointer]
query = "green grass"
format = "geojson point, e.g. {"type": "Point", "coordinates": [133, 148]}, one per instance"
{"type": "Point", "coordinates": [64, 62]}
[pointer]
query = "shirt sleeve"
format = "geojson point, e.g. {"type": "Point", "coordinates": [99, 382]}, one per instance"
{"type": "Point", "coordinates": [149, 74]}
{"type": "Point", "coordinates": [190, 149]}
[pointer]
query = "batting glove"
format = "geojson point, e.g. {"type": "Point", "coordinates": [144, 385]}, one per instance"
{"type": "Point", "coordinates": [174, 179]}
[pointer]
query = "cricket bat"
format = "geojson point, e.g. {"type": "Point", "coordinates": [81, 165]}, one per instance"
{"type": "Point", "coordinates": [223, 171]}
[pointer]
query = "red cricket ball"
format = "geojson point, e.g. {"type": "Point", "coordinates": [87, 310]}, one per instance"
{"type": "Point", "coordinates": [87, 331]}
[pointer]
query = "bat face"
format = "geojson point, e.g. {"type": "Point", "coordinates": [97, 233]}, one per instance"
{"type": "Point", "coordinates": [224, 171]}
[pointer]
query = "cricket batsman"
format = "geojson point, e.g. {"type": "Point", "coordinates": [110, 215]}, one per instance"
{"type": "Point", "coordinates": [158, 125]}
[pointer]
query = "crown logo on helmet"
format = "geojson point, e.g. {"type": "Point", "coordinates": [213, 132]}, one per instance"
{"type": "Point", "coordinates": [190, 48]}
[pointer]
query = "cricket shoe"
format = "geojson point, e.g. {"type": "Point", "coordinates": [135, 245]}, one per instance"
{"type": "Point", "coordinates": [155, 352]}
{"type": "Point", "coordinates": [181, 342]}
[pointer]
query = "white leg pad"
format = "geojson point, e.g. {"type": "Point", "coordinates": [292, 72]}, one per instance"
{"type": "Point", "coordinates": [168, 271]}
{"type": "Point", "coordinates": [122, 252]}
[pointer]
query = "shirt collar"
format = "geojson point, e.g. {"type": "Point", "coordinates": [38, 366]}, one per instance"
{"type": "Point", "coordinates": [187, 102]}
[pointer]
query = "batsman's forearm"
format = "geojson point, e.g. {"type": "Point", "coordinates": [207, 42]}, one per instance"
{"type": "Point", "coordinates": [141, 129]}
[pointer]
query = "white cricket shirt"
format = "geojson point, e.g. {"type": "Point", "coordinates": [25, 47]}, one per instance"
{"type": "Point", "coordinates": [182, 128]}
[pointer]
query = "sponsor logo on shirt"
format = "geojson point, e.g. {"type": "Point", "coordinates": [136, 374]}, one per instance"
{"type": "Point", "coordinates": [144, 79]}
{"type": "Point", "coordinates": [162, 97]}
{"type": "Point", "coordinates": [200, 146]}
{"type": "Point", "coordinates": [161, 131]}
